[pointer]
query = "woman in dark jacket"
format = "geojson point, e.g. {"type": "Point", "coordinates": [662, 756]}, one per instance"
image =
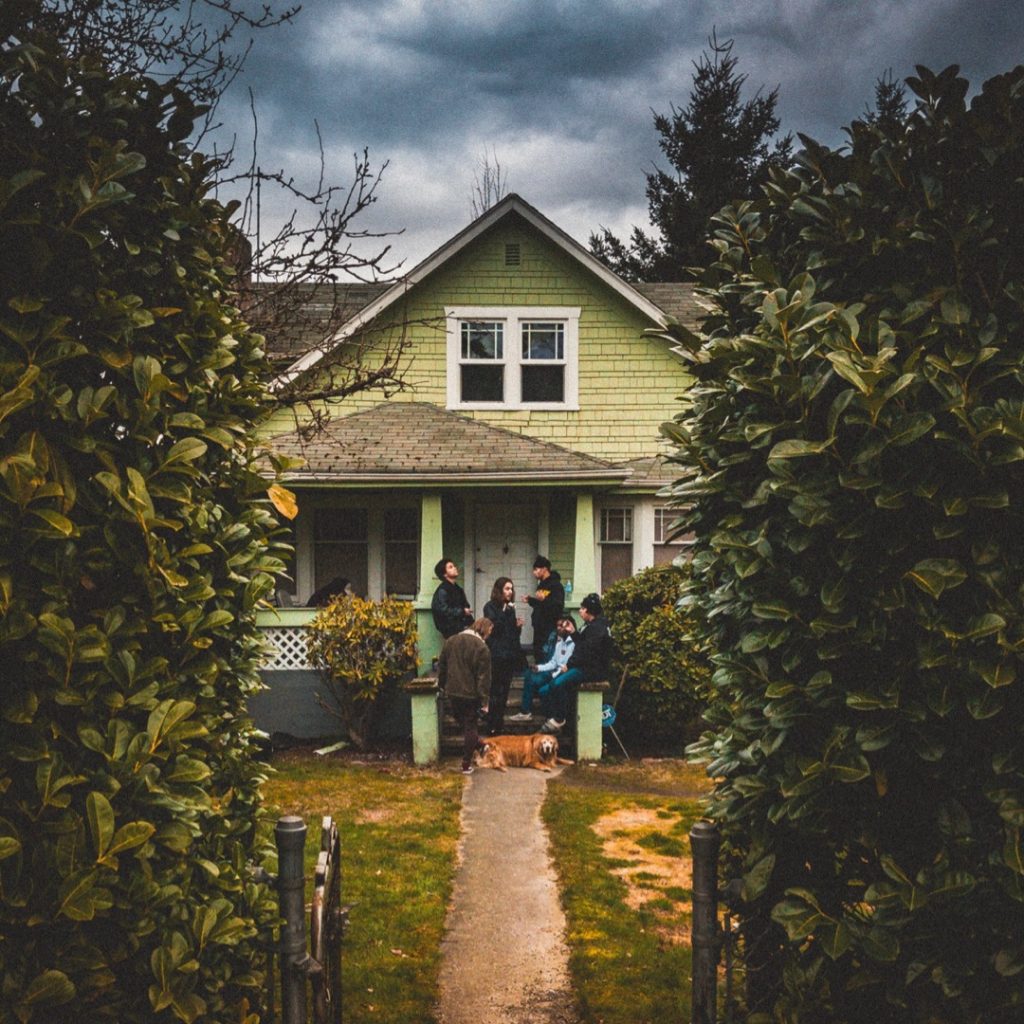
{"type": "Point", "coordinates": [506, 653]}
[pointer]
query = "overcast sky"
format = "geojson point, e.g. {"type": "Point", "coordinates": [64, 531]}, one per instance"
{"type": "Point", "coordinates": [562, 90]}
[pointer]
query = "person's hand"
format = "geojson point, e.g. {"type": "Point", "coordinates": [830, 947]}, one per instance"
{"type": "Point", "coordinates": [484, 709]}
{"type": "Point", "coordinates": [519, 623]}
{"type": "Point", "coordinates": [468, 611]}
{"type": "Point", "coordinates": [525, 598]}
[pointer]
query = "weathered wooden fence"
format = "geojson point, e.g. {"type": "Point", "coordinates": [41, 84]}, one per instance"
{"type": "Point", "coordinates": [315, 969]}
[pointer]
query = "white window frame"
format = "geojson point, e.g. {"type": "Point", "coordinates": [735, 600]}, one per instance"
{"type": "Point", "coordinates": [668, 512]}
{"type": "Point", "coordinates": [628, 524]}
{"type": "Point", "coordinates": [512, 317]}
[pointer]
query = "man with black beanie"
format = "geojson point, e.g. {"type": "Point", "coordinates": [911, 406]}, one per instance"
{"type": "Point", "coordinates": [548, 604]}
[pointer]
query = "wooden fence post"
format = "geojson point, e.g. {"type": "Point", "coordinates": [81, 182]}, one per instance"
{"type": "Point", "coordinates": [704, 842]}
{"type": "Point", "coordinates": [290, 834]}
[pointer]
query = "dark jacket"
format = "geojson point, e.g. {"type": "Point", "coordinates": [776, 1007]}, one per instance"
{"type": "Point", "coordinates": [548, 605]}
{"type": "Point", "coordinates": [464, 667]}
{"type": "Point", "coordinates": [593, 653]}
{"type": "Point", "coordinates": [504, 638]}
{"type": "Point", "coordinates": [449, 609]}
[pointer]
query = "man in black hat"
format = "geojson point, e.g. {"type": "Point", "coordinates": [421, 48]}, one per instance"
{"type": "Point", "coordinates": [450, 606]}
{"type": "Point", "coordinates": [548, 604]}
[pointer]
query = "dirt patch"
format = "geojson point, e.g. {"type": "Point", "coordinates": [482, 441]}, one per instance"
{"type": "Point", "coordinates": [374, 816]}
{"type": "Point", "coordinates": [642, 842]}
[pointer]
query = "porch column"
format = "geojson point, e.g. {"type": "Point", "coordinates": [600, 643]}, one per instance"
{"type": "Point", "coordinates": [431, 549]}
{"type": "Point", "coordinates": [584, 566]}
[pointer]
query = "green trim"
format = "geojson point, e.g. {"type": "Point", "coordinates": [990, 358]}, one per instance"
{"type": "Point", "coordinates": [453, 484]}
{"type": "Point", "coordinates": [270, 617]}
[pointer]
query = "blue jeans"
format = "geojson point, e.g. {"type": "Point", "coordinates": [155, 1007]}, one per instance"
{"type": "Point", "coordinates": [532, 682]}
{"type": "Point", "coordinates": [554, 695]}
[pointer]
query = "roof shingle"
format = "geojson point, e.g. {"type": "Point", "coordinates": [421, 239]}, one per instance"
{"type": "Point", "coordinates": [416, 441]}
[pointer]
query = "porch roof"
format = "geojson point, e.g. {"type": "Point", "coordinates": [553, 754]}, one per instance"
{"type": "Point", "coordinates": [415, 442]}
{"type": "Point", "coordinates": [650, 474]}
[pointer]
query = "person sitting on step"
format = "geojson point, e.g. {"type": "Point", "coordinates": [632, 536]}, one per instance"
{"type": "Point", "coordinates": [538, 680]}
{"type": "Point", "coordinates": [590, 661]}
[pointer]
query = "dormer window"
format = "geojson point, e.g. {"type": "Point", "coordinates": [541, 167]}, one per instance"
{"type": "Point", "coordinates": [517, 357]}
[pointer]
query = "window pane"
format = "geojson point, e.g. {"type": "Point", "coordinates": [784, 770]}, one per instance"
{"type": "Point", "coordinates": [402, 524]}
{"type": "Point", "coordinates": [340, 524]}
{"type": "Point", "coordinates": [347, 559]}
{"type": "Point", "coordinates": [543, 383]}
{"type": "Point", "coordinates": [483, 383]}
{"type": "Point", "coordinates": [616, 564]}
{"type": "Point", "coordinates": [543, 341]}
{"type": "Point", "coordinates": [665, 554]}
{"type": "Point", "coordinates": [482, 339]}
{"type": "Point", "coordinates": [616, 525]}
{"type": "Point", "coordinates": [401, 567]}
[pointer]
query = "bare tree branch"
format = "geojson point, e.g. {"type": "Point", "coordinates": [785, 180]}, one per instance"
{"type": "Point", "coordinates": [490, 184]}
{"type": "Point", "coordinates": [300, 284]}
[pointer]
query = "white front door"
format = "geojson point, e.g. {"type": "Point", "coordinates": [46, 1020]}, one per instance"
{"type": "Point", "coordinates": [505, 544]}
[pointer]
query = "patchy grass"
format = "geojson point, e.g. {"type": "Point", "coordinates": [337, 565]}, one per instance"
{"type": "Point", "coordinates": [399, 828]}
{"type": "Point", "coordinates": [618, 835]}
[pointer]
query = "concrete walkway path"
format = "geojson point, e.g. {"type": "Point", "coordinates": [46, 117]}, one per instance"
{"type": "Point", "coordinates": [504, 955]}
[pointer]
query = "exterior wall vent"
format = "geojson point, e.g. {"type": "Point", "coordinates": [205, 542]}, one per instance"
{"type": "Point", "coordinates": [513, 254]}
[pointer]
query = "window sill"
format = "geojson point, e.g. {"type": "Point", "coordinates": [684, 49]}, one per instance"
{"type": "Point", "coordinates": [509, 407]}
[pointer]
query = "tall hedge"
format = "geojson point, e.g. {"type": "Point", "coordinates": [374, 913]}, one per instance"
{"type": "Point", "coordinates": [135, 542]}
{"type": "Point", "coordinates": [854, 456]}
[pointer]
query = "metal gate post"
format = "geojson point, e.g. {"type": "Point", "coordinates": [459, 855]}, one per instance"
{"type": "Point", "coordinates": [704, 842]}
{"type": "Point", "coordinates": [290, 834]}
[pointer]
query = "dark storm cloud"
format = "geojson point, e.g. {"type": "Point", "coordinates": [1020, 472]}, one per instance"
{"type": "Point", "coordinates": [562, 90]}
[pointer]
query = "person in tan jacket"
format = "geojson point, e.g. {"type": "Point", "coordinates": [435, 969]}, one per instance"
{"type": "Point", "coordinates": [464, 676]}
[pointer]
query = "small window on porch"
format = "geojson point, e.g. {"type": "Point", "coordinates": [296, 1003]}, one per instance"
{"type": "Point", "coordinates": [668, 544]}
{"type": "Point", "coordinates": [341, 547]}
{"type": "Point", "coordinates": [616, 539]}
{"type": "Point", "coordinates": [401, 551]}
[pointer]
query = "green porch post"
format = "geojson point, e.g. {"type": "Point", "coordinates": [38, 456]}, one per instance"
{"type": "Point", "coordinates": [589, 702]}
{"type": "Point", "coordinates": [584, 568]}
{"type": "Point", "coordinates": [431, 549]}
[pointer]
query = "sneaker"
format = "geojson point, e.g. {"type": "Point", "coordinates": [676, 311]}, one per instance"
{"type": "Point", "coordinates": [521, 716]}
{"type": "Point", "coordinates": [467, 769]}
{"type": "Point", "coordinates": [552, 725]}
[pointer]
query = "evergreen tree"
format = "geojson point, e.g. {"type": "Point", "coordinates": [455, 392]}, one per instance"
{"type": "Point", "coordinates": [720, 149]}
{"type": "Point", "coordinates": [889, 113]}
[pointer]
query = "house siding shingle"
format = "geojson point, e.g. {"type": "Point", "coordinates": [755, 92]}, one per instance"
{"type": "Point", "coordinates": [628, 383]}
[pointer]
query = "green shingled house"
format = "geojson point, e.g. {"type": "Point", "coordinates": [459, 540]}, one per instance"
{"type": "Point", "coordinates": [535, 389]}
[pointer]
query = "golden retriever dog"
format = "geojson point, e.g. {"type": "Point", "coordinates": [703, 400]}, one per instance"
{"type": "Point", "coordinates": [538, 751]}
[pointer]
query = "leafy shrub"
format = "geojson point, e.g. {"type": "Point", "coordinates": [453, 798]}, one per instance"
{"type": "Point", "coordinates": [363, 649]}
{"type": "Point", "coordinates": [667, 676]}
{"type": "Point", "coordinates": [855, 461]}
{"type": "Point", "coordinates": [135, 543]}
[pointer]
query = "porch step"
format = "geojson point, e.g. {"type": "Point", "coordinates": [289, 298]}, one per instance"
{"type": "Point", "coordinates": [451, 735]}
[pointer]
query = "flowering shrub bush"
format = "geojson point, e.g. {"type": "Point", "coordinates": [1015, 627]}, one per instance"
{"type": "Point", "coordinates": [362, 649]}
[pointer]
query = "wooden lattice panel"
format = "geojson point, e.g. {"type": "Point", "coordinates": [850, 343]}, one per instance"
{"type": "Point", "coordinates": [286, 648]}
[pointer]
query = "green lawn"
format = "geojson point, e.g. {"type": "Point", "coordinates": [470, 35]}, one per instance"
{"type": "Point", "coordinates": [399, 827]}
{"type": "Point", "coordinates": [619, 842]}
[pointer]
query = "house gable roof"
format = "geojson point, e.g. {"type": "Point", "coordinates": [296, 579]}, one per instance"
{"type": "Point", "coordinates": [510, 204]}
{"type": "Point", "coordinates": [416, 442]}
